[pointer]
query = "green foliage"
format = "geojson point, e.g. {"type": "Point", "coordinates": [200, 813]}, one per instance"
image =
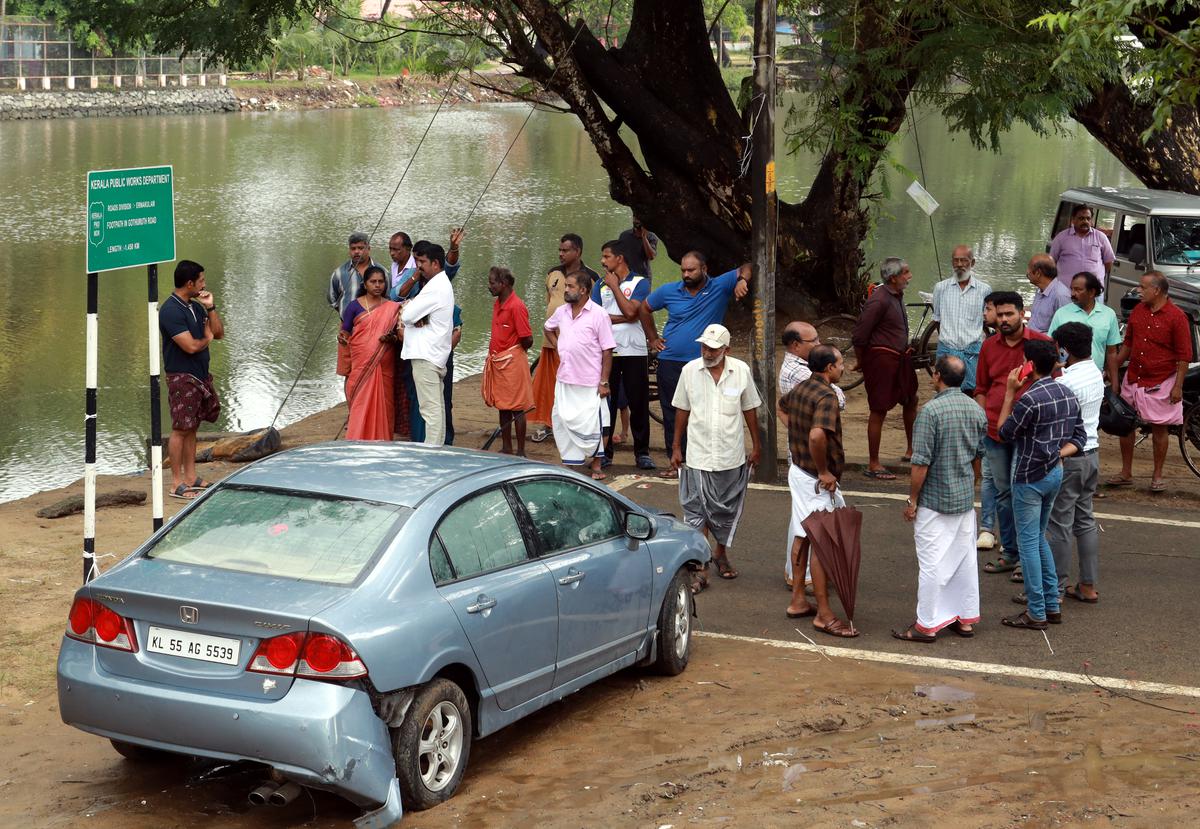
{"type": "Point", "coordinates": [1153, 45]}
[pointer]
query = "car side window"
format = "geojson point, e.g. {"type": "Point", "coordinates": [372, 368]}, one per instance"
{"type": "Point", "coordinates": [439, 562]}
{"type": "Point", "coordinates": [567, 515]}
{"type": "Point", "coordinates": [479, 535]}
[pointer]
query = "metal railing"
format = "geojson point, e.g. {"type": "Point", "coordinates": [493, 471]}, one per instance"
{"type": "Point", "coordinates": [36, 54]}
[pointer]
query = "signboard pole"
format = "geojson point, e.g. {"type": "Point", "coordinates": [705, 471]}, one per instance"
{"type": "Point", "coordinates": [155, 407]}
{"type": "Point", "coordinates": [89, 444]}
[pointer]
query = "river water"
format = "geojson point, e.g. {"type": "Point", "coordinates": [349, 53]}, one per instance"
{"type": "Point", "coordinates": [265, 201]}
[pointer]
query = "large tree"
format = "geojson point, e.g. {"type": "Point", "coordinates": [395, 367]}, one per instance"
{"type": "Point", "coordinates": [669, 134]}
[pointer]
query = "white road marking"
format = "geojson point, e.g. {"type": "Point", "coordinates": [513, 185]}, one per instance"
{"type": "Point", "coordinates": [911, 660]}
{"type": "Point", "coordinates": [625, 481]}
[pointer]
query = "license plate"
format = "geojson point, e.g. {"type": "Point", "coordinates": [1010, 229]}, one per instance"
{"type": "Point", "coordinates": [194, 645]}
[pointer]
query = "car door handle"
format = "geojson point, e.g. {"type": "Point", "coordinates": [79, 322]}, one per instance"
{"type": "Point", "coordinates": [572, 576]}
{"type": "Point", "coordinates": [482, 603]}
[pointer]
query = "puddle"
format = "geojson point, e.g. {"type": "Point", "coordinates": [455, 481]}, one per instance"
{"type": "Point", "coordinates": [938, 723]}
{"type": "Point", "coordinates": [943, 693]}
{"type": "Point", "coordinates": [791, 775]}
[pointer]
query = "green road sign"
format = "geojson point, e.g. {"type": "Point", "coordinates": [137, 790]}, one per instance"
{"type": "Point", "coordinates": [130, 218]}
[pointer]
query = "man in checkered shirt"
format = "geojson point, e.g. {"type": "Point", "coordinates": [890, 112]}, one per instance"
{"type": "Point", "coordinates": [1044, 427]}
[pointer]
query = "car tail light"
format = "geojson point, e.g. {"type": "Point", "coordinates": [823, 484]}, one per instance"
{"type": "Point", "coordinates": [313, 655]}
{"type": "Point", "coordinates": [90, 621]}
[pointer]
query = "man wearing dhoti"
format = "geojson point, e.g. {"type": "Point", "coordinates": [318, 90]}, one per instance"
{"type": "Point", "coordinates": [814, 428]}
{"type": "Point", "coordinates": [506, 385]}
{"type": "Point", "coordinates": [947, 447]}
{"type": "Point", "coordinates": [581, 333]}
{"type": "Point", "coordinates": [714, 400]}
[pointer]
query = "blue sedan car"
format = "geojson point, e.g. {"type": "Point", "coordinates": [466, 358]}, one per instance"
{"type": "Point", "coordinates": [353, 615]}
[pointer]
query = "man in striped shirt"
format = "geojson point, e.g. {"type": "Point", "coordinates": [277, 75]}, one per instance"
{"type": "Point", "coordinates": [1044, 426]}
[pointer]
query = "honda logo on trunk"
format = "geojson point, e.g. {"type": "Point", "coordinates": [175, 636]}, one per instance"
{"type": "Point", "coordinates": [188, 615]}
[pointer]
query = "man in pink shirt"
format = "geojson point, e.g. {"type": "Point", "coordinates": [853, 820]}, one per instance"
{"type": "Point", "coordinates": [1081, 247]}
{"type": "Point", "coordinates": [581, 331]}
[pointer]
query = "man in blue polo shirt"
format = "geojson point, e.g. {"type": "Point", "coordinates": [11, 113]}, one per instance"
{"type": "Point", "coordinates": [694, 303]}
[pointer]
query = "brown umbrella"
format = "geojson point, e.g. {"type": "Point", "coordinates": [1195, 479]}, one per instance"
{"type": "Point", "coordinates": [835, 539]}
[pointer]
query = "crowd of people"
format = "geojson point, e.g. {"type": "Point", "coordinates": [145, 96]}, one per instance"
{"type": "Point", "coordinates": [1014, 412]}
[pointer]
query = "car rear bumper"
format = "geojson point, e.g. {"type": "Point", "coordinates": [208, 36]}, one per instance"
{"type": "Point", "coordinates": [320, 734]}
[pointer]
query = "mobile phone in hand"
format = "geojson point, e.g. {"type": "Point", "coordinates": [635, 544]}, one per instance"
{"type": "Point", "coordinates": [1026, 370]}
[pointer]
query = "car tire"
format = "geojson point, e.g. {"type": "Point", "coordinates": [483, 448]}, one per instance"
{"type": "Point", "coordinates": [674, 637]}
{"type": "Point", "coordinates": [432, 745]}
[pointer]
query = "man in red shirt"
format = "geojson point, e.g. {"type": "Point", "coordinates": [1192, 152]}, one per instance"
{"type": "Point", "coordinates": [1158, 346]}
{"type": "Point", "coordinates": [506, 382]}
{"type": "Point", "coordinates": [999, 355]}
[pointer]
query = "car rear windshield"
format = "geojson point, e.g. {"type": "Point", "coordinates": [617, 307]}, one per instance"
{"type": "Point", "coordinates": [286, 534]}
{"type": "Point", "coordinates": [1176, 240]}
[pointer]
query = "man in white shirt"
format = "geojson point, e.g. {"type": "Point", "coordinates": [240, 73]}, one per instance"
{"type": "Point", "coordinates": [1072, 513]}
{"type": "Point", "coordinates": [958, 311]}
{"type": "Point", "coordinates": [621, 295]}
{"type": "Point", "coordinates": [428, 327]}
{"type": "Point", "coordinates": [714, 400]}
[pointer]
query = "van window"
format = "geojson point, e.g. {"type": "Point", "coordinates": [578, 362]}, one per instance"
{"type": "Point", "coordinates": [1105, 220]}
{"type": "Point", "coordinates": [1176, 240]}
{"type": "Point", "coordinates": [1131, 232]}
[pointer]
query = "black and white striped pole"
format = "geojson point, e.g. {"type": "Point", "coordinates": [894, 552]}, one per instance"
{"type": "Point", "coordinates": [89, 429]}
{"type": "Point", "coordinates": [156, 495]}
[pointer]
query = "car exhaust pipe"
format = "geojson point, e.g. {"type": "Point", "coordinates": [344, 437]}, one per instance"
{"type": "Point", "coordinates": [262, 795]}
{"type": "Point", "coordinates": [285, 794]}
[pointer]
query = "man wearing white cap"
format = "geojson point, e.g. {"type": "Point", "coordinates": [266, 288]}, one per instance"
{"type": "Point", "coordinates": [715, 397]}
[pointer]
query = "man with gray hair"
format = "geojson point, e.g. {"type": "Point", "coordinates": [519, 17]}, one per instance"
{"type": "Point", "coordinates": [958, 311]}
{"type": "Point", "coordinates": [347, 277]}
{"type": "Point", "coordinates": [947, 447]}
{"type": "Point", "coordinates": [882, 352]}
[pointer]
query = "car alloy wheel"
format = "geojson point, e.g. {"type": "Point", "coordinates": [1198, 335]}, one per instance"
{"type": "Point", "coordinates": [440, 748]}
{"type": "Point", "coordinates": [683, 621]}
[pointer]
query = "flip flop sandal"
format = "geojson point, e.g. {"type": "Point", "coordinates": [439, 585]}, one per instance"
{"type": "Point", "coordinates": [183, 492]}
{"type": "Point", "coordinates": [1017, 576]}
{"type": "Point", "coordinates": [200, 483]}
{"type": "Point", "coordinates": [837, 628]}
{"type": "Point", "coordinates": [812, 611]}
{"type": "Point", "coordinates": [1158, 486]}
{"type": "Point", "coordinates": [1117, 480]}
{"type": "Point", "coordinates": [699, 581]}
{"type": "Point", "coordinates": [957, 628]}
{"type": "Point", "coordinates": [1000, 566]}
{"type": "Point", "coordinates": [599, 476]}
{"type": "Point", "coordinates": [911, 634]}
{"type": "Point", "coordinates": [669, 474]}
{"type": "Point", "coordinates": [1073, 593]}
{"type": "Point", "coordinates": [1023, 620]}
{"type": "Point", "coordinates": [725, 569]}
{"type": "Point", "coordinates": [879, 474]}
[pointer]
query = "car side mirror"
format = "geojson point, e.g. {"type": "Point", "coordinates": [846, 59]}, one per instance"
{"type": "Point", "coordinates": [638, 526]}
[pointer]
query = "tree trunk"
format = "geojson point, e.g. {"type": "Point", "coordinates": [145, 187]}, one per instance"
{"type": "Point", "coordinates": [1169, 160]}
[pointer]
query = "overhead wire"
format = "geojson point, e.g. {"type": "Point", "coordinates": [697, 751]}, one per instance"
{"type": "Point", "coordinates": [921, 163]}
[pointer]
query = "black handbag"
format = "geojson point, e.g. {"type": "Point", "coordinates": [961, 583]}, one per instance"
{"type": "Point", "coordinates": [1116, 416]}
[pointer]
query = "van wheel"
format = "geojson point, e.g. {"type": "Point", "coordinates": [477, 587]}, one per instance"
{"type": "Point", "coordinates": [675, 627]}
{"type": "Point", "coordinates": [432, 745]}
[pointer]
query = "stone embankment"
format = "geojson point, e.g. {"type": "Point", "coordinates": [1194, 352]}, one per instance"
{"type": "Point", "coordinates": [21, 106]}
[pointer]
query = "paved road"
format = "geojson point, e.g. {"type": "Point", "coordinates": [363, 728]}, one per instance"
{"type": "Point", "coordinates": [1141, 629]}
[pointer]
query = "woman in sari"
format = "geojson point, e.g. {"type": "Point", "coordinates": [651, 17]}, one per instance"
{"type": "Point", "coordinates": [366, 358]}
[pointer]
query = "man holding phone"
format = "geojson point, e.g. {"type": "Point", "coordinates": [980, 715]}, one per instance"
{"type": "Point", "coordinates": [1000, 354]}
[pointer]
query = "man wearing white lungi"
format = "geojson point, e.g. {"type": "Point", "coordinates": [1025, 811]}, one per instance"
{"type": "Point", "coordinates": [814, 425]}
{"type": "Point", "coordinates": [582, 333]}
{"type": "Point", "coordinates": [947, 447]}
{"type": "Point", "coordinates": [714, 400]}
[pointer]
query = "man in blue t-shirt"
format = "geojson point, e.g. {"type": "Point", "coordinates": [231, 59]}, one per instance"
{"type": "Point", "coordinates": [621, 296]}
{"type": "Point", "coordinates": [694, 303]}
{"type": "Point", "coordinates": [188, 322]}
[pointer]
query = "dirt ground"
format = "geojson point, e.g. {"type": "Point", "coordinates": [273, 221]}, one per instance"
{"type": "Point", "coordinates": [749, 736]}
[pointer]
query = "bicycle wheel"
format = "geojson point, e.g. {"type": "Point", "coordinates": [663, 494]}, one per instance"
{"type": "Point", "coordinates": [925, 354]}
{"type": "Point", "coordinates": [1189, 438]}
{"type": "Point", "coordinates": [836, 331]}
{"type": "Point", "coordinates": [652, 375]}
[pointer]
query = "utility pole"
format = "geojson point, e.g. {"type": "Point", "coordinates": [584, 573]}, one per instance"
{"type": "Point", "coordinates": [764, 219]}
